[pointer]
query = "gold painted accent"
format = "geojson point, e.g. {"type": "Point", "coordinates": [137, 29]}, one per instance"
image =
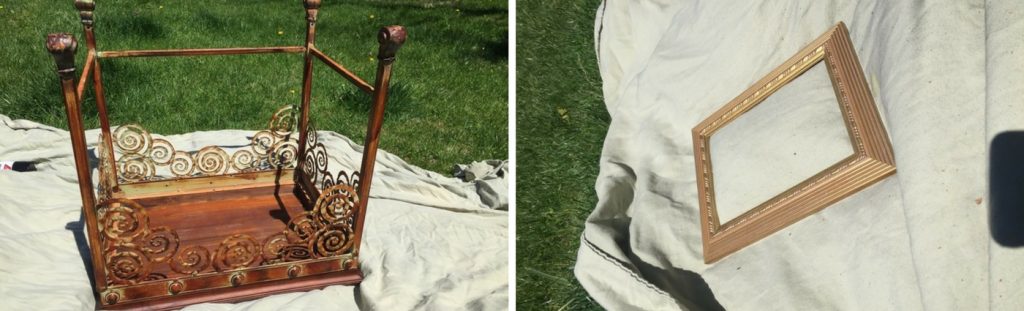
{"type": "Point", "coordinates": [273, 272]}
{"type": "Point", "coordinates": [175, 287]}
{"type": "Point", "coordinates": [112, 296]}
{"type": "Point", "coordinates": [350, 263]}
{"type": "Point", "coordinates": [237, 278]}
{"type": "Point", "coordinates": [293, 271]}
{"type": "Point", "coordinates": [770, 87]}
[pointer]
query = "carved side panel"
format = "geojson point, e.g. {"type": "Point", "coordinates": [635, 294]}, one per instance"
{"type": "Point", "coordinates": [131, 249]}
{"type": "Point", "coordinates": [141, 155]}
{"type": "Point", "coordinates": [315, 168]}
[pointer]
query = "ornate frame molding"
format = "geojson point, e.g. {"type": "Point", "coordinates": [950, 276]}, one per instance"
{"type": "Point", "coordinates": [871, 162]}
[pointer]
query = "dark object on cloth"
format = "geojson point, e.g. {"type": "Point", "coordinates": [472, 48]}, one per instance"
{"type": "Point", "coordinates": [1006, 186]}
{"type": "Point", "coordinates": [17, 166]}
{"type": "Point", "coordinates": [489, 178]}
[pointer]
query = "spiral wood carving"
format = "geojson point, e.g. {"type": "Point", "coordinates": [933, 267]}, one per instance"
{"type": "Point", "coordinates": [191, 260]}
{"type": "Point", "coordinates": [332, 240]}
{"type": "Point", "coordinates": [235, 252]}
{"type": "Point", "coordinates": [160, 244]}
{"type": "Point", "coordinates": [127, 265]}
{"type": "Point", "coordinates": [141, 155]}
{"type": "Point", "coordinates": [273, 246]}
{"type": "Point", "coordinates": [326, 231]}
{"type": "Point", "coordinates": [314, 165]}
{"type": "Point", "coordinates": [130, 247]}
{"type": "Point", "coordinates": [121, 221]}
{"type": "Point", "coordinates": [301, 228]}
{"type": "Point", "coordinates": [336, 205]}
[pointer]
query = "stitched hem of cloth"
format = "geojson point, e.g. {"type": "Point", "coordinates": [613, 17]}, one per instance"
{"type": "Point", "coordinates": [619, 264]}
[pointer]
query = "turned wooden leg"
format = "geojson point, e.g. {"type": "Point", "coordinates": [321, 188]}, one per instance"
{"type": "Point", "coordinates": [63, 46]}
{"type": "Point", "coordinates": [391, 39]}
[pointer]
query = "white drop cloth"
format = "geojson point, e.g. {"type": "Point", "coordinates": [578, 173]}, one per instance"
{"type": "Point", "coordinates": [947, 76]}
{"type": "Point", "coordinates": [429, 242]}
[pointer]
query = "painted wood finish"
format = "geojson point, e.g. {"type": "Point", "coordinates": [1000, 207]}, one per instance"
{"type": "Point", "coordinates": [161, 244]}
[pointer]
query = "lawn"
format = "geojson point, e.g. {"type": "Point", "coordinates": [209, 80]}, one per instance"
{"type": "Point", "coordinates": [449, 98]}
{"type": "Point", "coordinates": [561, 122]}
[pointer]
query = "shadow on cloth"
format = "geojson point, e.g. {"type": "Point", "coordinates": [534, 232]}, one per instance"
{"type": "Point", "coordinates": [680, 283]}
{"type": "Point", "coordinates": [77, 228]}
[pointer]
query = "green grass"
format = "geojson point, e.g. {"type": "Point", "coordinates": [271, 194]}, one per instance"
{"type": "Point", "coordinates": [560, 123]}
{"type": "Point", "coordinates": [449, 93]}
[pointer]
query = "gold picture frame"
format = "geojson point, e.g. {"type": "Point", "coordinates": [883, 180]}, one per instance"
{"type": "Point", "coordinates": [872, 159]}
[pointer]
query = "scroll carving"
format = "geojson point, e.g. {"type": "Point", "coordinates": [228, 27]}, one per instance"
{"type": "Point", "coordinates": [132, 249]}
{"type": "Point", "coordinates": [326, 231]}
{"type": "Point", "coordinates": [190, 260]}
{"type": "Point", "coordinates": [315, 166]}
{"type": "Point", "coordinates": [235, 252]}
{"type": "Point", "coordinates": [141, 155]}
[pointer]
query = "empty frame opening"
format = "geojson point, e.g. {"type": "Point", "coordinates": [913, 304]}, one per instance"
{"type": "Point", "coordinates": [792, 135]}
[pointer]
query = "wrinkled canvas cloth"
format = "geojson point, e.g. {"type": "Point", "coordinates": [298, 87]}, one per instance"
{"type": "Point", "coordinates": [947, 76]}
{"type": "Point", "coordinates": [489, 180]}
{"type": "Point", "coordinates": [429, 242]}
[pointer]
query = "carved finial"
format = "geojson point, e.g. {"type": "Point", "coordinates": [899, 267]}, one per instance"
{"type": "Point", "coordinates": [312, 4]}
{"type": "Point", "coordinates": [311, 9]}
{"type": "Point", "coordinates": [63, 47]}
{"type": "Point", "coordinates": [391, 38]}
{"type": "Point", "coordinates": [85, 8]}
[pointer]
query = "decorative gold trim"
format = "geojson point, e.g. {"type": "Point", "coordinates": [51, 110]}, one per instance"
{"type": "Point", "coordinates": [122, 294]}
{"type": "Point", "coordinates": [350, 263]}
{"type": "Point", "coordinates": [872, 160]}
{"type": "Point", "coordinates": [237, 278]}
{"type": "Point", "coordinates": [175, 287]}
{"type": "Point", "coordinates": [112, 295]}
